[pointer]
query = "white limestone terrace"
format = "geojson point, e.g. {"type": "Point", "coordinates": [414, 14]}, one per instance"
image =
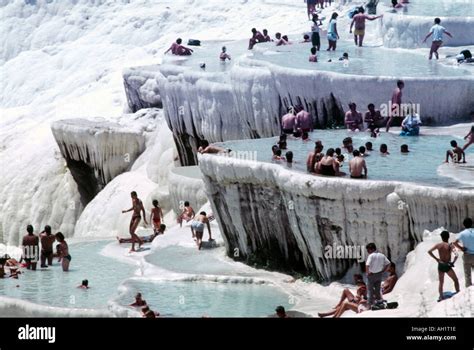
{"type": "Point", "coordinates": [407, 27]}
{"type": "Point", "coordinates": [248, 99]}
{"type": "Point", "coordinates": [185, 184]}
{"type": "Point", "coordinates": [286, 219]}
{"type": "Point", "coordinates": [96, 150]}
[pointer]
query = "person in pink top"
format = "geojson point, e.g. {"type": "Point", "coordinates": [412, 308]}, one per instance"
{"type": "Point", "coordinates": [256, 38]}
{"type": "Point", "coordinates": [353, 118]}
{"type": "Point", "coordinates": [288, 121]}
{"type": "Point", "coordinates": [359, 21]}
{"type": "Point", "coordinates": [304, 121]}
{"type": "Point", "coordinates": [178, 49]}
{"type": "Point", "coordinates": [396, 107]}
{"type": "Point", "coordinates": [224, 55]}
{"type": "Point", "coordinates": [313, 57]}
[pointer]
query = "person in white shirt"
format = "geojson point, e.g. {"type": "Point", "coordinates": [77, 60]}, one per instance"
{"type": "Point", "coordinates": [411, 123]}
{"type": "Point", "coordinates": [437, 31]}
{"type": "Point", "coordinates": [375, 266]}
{"type": "Point", "coordinates": [466, 237]}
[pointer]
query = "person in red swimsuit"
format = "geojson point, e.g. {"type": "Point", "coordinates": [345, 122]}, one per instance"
{"type": "Point", "coordinates": [156, 216]}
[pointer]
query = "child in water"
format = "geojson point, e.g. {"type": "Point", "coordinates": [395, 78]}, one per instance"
{"type": "Point", "coordinates": [224, 55]}
{"type": "Point", "coordinates": [313, 57]}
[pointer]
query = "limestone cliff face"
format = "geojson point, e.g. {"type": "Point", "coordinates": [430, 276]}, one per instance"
{"type": "Point", "coordinates": [267, 212]}
{"type": "Point", "coordinates": [97, 151]}
{"type": "Point", "coordinates": [248, 101]}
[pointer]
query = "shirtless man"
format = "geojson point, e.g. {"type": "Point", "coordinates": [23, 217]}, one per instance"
{"type": "Point", "coordinates": [373, 118]}
{"type": "Point", "coordinates": [359, 21]}
{"type": "Point", "coordinates": [186, 215]}
{"type": "Point", "coordinates": [256, 38]}
{"type": "Point", "coordinates": [314, 157]}
{"type": "Point", "coordinates": [178, 49]}
{"type": "Point", "coordinates": [357, 166]}
{"type": "Point", "coordinates": [353, 118]}
{"type": "Point", "coordinates": [224, 55]}
{"type": "Point", "coordinates": [197, 228]}
{"type": "Point", "coordinates": [30, 247]}
{"type": "Point", "coordinates": [145, 239]}
{"type": "Point", "coordinates": [288, 121]}
{"type": "Point", "coordinates": [281, 40]}
{"type": "Point", "coordinates": [444, 262]}
{"type": "Point", "coordinates": [137, 207]}
{"type": "Point", "coordinates": [211, 149]}
{"type": "Point", "coordinates": [304, 121]}
{"type": "Point", "coordinates": [47, 240]}
{"type": "Point", "coordinates": [456, 154]}
{"type": "Point", "coordinates": [396, 104]}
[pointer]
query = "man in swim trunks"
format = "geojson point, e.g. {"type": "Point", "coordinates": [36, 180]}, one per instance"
{"type": "Point", "coordinates": [30, 247]}
{"type": "Point", "coordinates": [304, 121]}
{"type": "Point", "coordinates": [288, 121]}
{"type": "Point", "coordinates": [437, 31]}
{"type": "Point", "coordinates": [444, 262]}
{"type": "Point", "coordinates": [197, 228]}
{"type": "Point", "coordinates": [137, 207]}
{"type": "Point", "coordinates": [357, 166]}
{"type": "Point", "coordinates": [314, 157]}
{"type": "Point", "coordinates": [145, 239]}
{"type": "Point", "coordinates": [456, 154]}
{"type": "Point", "coordinates": [47, 240]}
{"type": "Point", "coordinates": [359, 21]}
{"type": "Point", "coordinates": [396, 104]}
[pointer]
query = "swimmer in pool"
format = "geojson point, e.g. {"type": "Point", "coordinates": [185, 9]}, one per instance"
{"type": "Point", "coordinates": [288, 121]}
{"type": "Point", "coordinates": [138, 300]}
{"type": "Point", "coordinates": [224, 55]}
{"type": "Point", "coordinates": [280, 40]}
{"type": "Point", "coordinates": [369, 146]}
{"type": "Point", "coordinates": [304, 121]}
{"type": "Point", "coordinates": [456, 154]}
{"type": "Point", "coordinates": [353, 118]}
{"type": "Point", "coordinates": [313, 57]}
{"type": "Point", "coordinates": [179, 50]}
{"type": "Point", "coordinates": [84, 285]}
{"type": "Point", "coordinates": [64, 256]}
{"type": "Point", "coordinates": [266, 37]}
{"type": "Point", "coordinates": [384, 149]}
{"type": "Point", "coordinates": [357, 166]}
{"type": "Point", "coordinates": [211, 149]}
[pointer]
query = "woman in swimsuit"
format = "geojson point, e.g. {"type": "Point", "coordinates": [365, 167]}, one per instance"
{"type": "Point", "coordinates": [156, 216]}
{"type": "Point", "coordinates": [64, 256]}
{"type": "Point", "coordinates": [328, 166]}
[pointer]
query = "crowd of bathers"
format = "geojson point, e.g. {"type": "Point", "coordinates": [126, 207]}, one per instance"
{"type": "Point", "coordinates": [32, 253]}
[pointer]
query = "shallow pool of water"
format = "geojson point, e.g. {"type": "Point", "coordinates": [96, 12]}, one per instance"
{"type": "Point", "coordinates": [201, 298]}
{"type": "Point", "coordinates": [53, 287]}
{"type": "Point", "coordinates": [420, 165]}
{"type": "Point", "coordinates": [441, 8]}
{"type": "Point", "coordinates": [373, 61]}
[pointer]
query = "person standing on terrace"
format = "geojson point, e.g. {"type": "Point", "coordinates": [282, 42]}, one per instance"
{"type": "Point", "coordinates": [396, 104]}
{"type": "Point", "coordinates": [315, 37]}
{"type": "Point", "coordinates": [332, 35]}
{"type": "Point", "coordinates": [469, 138]}
{"type": "Point", "coordinates": [437, 32]}
{"type": "Point", "coordinates": [311, 7]}
{"type": "Point", "coordinates": [466, 237]}
{"type": "Point", "coordinates": [288, 121]}
{"type": "Point", "coordinates": [137, 208]}
{"type": "Point", "coordinates": [359, 21]}
{"type": "Point", "coordinates": [304, 121]}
